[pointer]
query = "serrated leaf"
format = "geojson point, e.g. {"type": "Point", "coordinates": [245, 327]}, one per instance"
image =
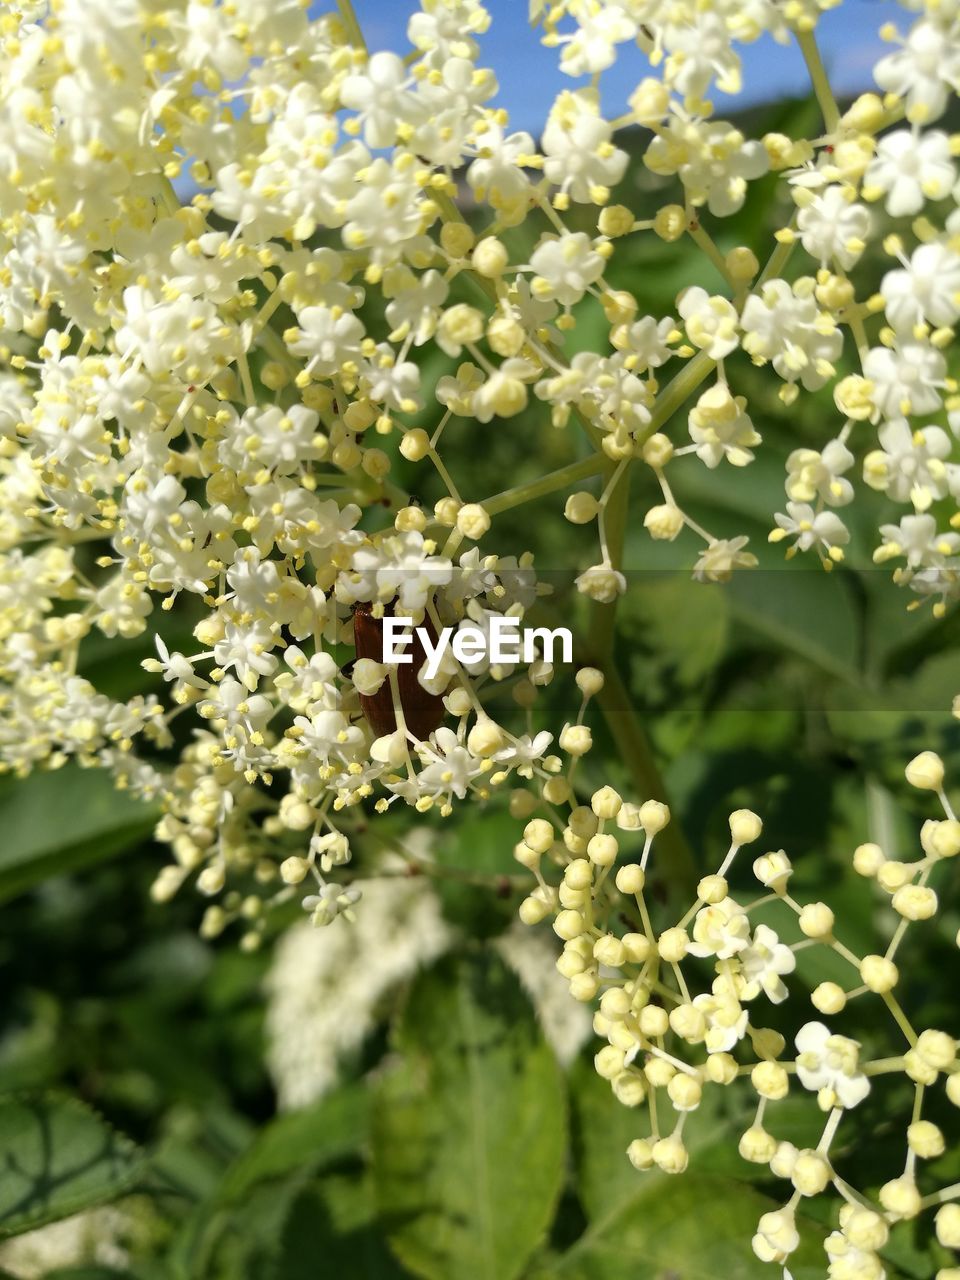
{"type": "Point", "coordinates": [58, 1157]}
{"type": "Point", "coordinates": [469, 1129]}
{"type": "Point", "coordinates": [39, 840]}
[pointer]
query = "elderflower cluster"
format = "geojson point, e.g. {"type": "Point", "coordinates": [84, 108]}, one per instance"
{"type": "Point", "coordinates": [681, 1009]}
{"type": "Point", "coordinates": [231, 244]}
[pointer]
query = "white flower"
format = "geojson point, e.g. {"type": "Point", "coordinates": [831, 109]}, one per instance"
{"type": "Point", "coordinates": [764, 962]}
{"type": "Point", "coordinates": [721, 930]}
{"type": "Point", "coordinates": [721, 428]}
{"type": "Point", "coordinates": [580, 156]}
{"type": "Point", "coordinates": [828, 1065]}
{"type": "Point", "coordinates": [918, 540]}
{"type": "Point", "coordinates": [784, 324]}
{"type": "Point", "coordinates": [909, 168]}
{"type": "Point", "coordinates": [910, 465]}
{"type": "Point", "coordinates": [591, 48]}
{"type": "Point", "coordinates": [396, 566]}
{"type": "Point", "coordinates": [726, 1020]}
{"type": "Point", "coordinates": [927, 289]}
{"type": "Point", "coordinates": [721, 557]}
{"type": "Point", "coordinates": [777, 1236]}
{"type": "Point", "coordinates": [925, 70]}
{"type": "Point", "coordinates": [329, 336]}
{"type": "Point", "coordinates": [713, 160]}
{"type": "Point", "coordinates": [497, 174]}
{"type": "Point", "coordinates": [822, 529]}
{"type": "Point", "coordinates": [848, 1262]}
{"type": "Point", "coordinates": [325, 987]}
{"type": "Point", "coordinates": [812, 475]}
{"type": "Point", "coordinates": [565, 266]}
{"type": "Point", "coordinates": [601, 582]}
{"type": "Point", "coordinates": [380, 94]}
{"type": "Point", "coordinates": [906, 378]}
{"type": "Point", "coordinates": [833, 227]}
{"type": "Point", "coordinates": [711, 322]}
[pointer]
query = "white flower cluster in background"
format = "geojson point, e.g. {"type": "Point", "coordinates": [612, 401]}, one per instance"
{"type": "Point", "coordinates": [681, 1009]}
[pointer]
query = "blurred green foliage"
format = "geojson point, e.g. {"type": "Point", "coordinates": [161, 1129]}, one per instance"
{"type": "Point", "coordinates": [132, 1053]}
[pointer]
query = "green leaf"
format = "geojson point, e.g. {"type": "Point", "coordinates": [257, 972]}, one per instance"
{"type": "Point", "coordinates": [58, 1157]}
{"type": "Point", "coordinates": [693, 1227]}
{"type": "Point", "coordinates": [301, 1140]}
{"type": "Point", "coordinates": [469, 1129]}
{"type": "Point", "coordinates": [40, 840]}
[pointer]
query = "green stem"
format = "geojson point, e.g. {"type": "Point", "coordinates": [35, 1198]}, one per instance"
{"type": "Point", "coordinates": [351, 23]}
{"type": "Point", "coordinates": [677, 862]}
{"type": "Point", "coordinates": [560, 479]}
{"type": "Point", "coordinates": [818, 78]}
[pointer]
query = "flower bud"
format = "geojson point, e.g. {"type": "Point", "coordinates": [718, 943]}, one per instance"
{"type": "Point", "coordinates": [293, 870]}
{"type": "Point", "coordinates": [606, 803]}
{"type": "Point", "coordinates": [925, 771]}
{"type": "Point", "coordinates": [576, 739]}
{"type": "Point", "coordinates": [637, 947]}
{"type": "Point", "coordinates": [533, 910]}
{"type": "Point", "coordinates": [901, 1197]}
{"type": "Point", "coordinates": [712, 889]}
{"type": "Point", "coordinates": [770, 1080]}
{"type": "Point", "coordinates": [654, 816]}
{"type": "Point", "coordinates": [742, 264]}
{"type": "Point", "coordinates": [368, 675]}
{"type": "Point", "coordinates": [590, 681]}
{"type": "Point", "coordinates": [654, 1021]}
{"type": "Point", "coordinates": [721, 1068]}
{"type": "Point", "coordinates": [925, 1139]}
{"type": "Point", "coordinates": [472, 521]}
{"type": "Point", "coordinates": [948, 1225]}
{"type": "Point", "coordinates": [629, 1089]}
{"type": "Point", "coordinates": [581, 507]}
{"type": "Point", "coordinates": [610, 951]}
{"type": "Point", "coordinates": [663, 522]}
{"type": "Point", "coordinates": [631, 879]}
{"type": "Point", "coordinates": [490, 258]}
{"type": "Point", "coordinates": [816, 920]}
{"type": "Point", "coordinates": [584, 987]}
{"type": "Point", "coordinates": [937, 1048]}
{"type": "Point", "coordinates": [569, 924]}
{"type": "Point", "coordinates": [745, 826]}
{"type": "Point", "coordinates": [773, 870]}
{"type": "Point", "coordinates": [672, 945]}
{"type": "Point", "coordinates": [864, 1228]}
{"type": "Point", "coordinates": [485, 738]}
{"type": "Point", "coordinates": [670, 222]}
{"type": "Point", "coordinates": [893, 875]}
{"type": "Point", "coordinates": [828, 998]}
{"type": "Point", "coordinates": [578, 874]}
{"type": "Point", "coordinates": [670, 1155]}
{"type": "Point", "coordinates": [608, 1062]}
{"type": "Point", "coordinates": [539, 834]}
{"type": "Point", "coordinates": [811, 1173]}
{"type": "Point", "coordinates": [657, 451]}
{"type": "Point", "coordinates": [688, 1022]}
{"type": "Point", "coordinates": [615, 220]}
{"type": "Point", "coordinates": [685, 1092]}
{"type": "Point", "coordinates": [868, 859]}
{"type": "Point", "coordinates": [415, 444]}
{"type": "Point", "coordinates": [640, 1154]}
{"type": "Point", "coordinates": [915, 902]}
{"type": "Point", "coordinates": [602, 850]}
{"type": "Point", "coordinates": [879, 974]}
{"type": "Point", "coordinates": [757, 1146]}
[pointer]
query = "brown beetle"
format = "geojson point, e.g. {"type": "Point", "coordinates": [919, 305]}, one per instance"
{"type": "Point", "coordinates": [422, 711]}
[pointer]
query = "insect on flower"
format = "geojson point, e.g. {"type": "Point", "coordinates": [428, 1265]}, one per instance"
{"type": "Point", "coordinates": [422, 711]}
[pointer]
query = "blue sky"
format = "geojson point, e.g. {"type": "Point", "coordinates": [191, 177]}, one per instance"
{"type": "Point", "coordinates": [529, 79]}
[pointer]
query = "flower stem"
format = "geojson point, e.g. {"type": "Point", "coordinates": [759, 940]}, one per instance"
{"type": "Point", "coordinates": [818, 78]}
{"type": "Point", "coordinates": [351, 23]}
{"type": "Point", "coordinates": [560, 479]}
